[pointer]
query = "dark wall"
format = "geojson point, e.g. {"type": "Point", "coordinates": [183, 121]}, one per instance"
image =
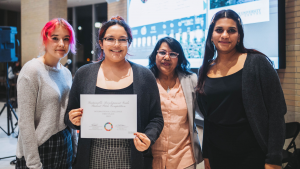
{"type": "Point", "coordinates": [10, 18]}
{"type": "Point", "coordinates": [84, 36]}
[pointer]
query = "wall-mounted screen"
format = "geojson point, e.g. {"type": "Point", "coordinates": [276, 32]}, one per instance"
{"type": "Point", "coordinates": [188, 22]}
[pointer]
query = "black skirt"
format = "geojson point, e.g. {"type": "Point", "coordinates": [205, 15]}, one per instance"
{"type": "Point", "coordinates": [254, 159]}
{"type": "Point", "coordinates": [234, 148]}
{"type": "Point", "coordinates": [55, 153]}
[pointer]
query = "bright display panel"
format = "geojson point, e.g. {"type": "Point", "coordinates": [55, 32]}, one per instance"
{"type": "Point", "coordinates": [188, 22]}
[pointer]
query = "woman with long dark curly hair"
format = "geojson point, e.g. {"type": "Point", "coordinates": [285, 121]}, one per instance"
{"type": "Point", "coordinates": [240, 95]}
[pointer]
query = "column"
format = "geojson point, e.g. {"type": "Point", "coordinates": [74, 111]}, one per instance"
{"type": "Point", "coordinates": [34, 15]}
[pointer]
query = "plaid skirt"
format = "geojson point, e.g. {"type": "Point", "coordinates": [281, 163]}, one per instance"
{"type": "Point", "coordinates": [55, 153]}
{"type": "Point", "coordinates": [110, 154]}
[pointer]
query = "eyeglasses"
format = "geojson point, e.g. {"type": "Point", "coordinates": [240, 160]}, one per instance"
{"type": "Point", "coordinates": [163, 53]}
{"type": "Point", "coordinates": [112, 41]}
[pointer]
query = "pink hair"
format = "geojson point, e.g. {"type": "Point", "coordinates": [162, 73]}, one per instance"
{"type": "Point", "coordinates": [50, 26]}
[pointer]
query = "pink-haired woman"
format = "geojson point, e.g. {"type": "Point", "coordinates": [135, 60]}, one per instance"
{"type": "Point", "coordinates": [43, 88]}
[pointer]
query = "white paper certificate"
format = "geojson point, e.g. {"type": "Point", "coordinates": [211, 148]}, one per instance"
{"type": "Point", "coordinates": [108, 116]}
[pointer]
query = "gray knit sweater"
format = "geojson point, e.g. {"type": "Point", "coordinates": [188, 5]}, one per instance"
{"type": "Point", "coordinates": [42, 99]}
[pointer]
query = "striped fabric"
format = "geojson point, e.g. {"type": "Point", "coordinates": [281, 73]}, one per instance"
{"type": "Point", "coordinates": [55, 153]}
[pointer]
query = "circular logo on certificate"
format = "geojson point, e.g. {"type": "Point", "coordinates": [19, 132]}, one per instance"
{"type": "Point", "coordinates": [108, 126]}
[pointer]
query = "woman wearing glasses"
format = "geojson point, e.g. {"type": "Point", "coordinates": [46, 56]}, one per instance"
{"type": "Point", "coordinates": [113, 74]}
{"type": "Point", "coordinates": [178, 145]}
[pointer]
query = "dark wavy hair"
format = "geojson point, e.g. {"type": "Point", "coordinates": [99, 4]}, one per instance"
{"type": "Point", "coordinates": [117, 20]}
{"type": "Point", "coordinates": [210, 50]}
{"type": "Point", "coordinates": [182, 65]}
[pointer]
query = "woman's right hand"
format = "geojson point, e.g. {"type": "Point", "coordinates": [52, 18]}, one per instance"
{"type": "Point", "coordinates": [206, 163]}
{"type": "Point", "coordinates": [75, 116]}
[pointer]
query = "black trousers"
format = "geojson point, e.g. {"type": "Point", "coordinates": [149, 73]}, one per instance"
{"type": "Point", "coordinates": [254, 159]}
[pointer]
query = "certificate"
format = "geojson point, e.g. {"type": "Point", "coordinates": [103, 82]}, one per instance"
{"type": "Point", "coordinates": [108, 116]}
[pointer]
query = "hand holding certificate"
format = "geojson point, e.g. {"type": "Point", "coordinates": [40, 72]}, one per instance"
{"type": "Point", "coordinates": [75, 116]}
{"type": "Point", "coordinates": [141, 141]}
{"type": "Point", "coordinates": [108, 116]}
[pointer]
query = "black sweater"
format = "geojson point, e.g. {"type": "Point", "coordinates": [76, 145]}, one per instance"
{"type": "Point", "coordinates": [149, 116]}
{"type": "Point", "coordinates": [264, 104]}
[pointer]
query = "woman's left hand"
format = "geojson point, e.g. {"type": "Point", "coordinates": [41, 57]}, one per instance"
{"type": "Point", "coordinates": [141, 141]}
{"type": "Point", "coordinates": [271, 166]}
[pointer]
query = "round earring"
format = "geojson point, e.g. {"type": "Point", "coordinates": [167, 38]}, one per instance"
{"type": "Point", "coordinates": [237, 44]}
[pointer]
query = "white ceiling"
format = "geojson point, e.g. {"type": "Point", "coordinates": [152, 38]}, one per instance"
{"type": "Point", "coordinates": [15, 5]}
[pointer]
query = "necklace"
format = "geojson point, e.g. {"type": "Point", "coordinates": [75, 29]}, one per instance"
{"type": "Point", "coordinates": [168, 89]}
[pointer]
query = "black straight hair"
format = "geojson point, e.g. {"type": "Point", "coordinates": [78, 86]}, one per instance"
{"type": "Point", "coordinates": [182, 65]}
{"type": "Point", "coordinates": [210, 50]}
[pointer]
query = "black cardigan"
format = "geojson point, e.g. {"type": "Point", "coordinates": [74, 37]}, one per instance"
{"type": "Point", "coordinates": [264, 105]}
{"type": "Point", "coordinates": [149, 116]}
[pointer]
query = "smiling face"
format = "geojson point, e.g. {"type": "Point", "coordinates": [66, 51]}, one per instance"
{"type": "Point", "coordinates": [115, 51]}
{"type": "Point", "coordinates": [166, 65]}
{"type": "Point", "coordinates": [225, 35]}
{"type": "Point", "coordinates": [58, 42]}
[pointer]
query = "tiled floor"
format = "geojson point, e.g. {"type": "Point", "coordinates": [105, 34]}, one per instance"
{"type": "Point", "coordinates": [8, 143]}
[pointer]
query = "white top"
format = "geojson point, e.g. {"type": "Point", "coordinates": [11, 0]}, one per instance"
{"type": "Point", "coordinates": [43, 94]}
